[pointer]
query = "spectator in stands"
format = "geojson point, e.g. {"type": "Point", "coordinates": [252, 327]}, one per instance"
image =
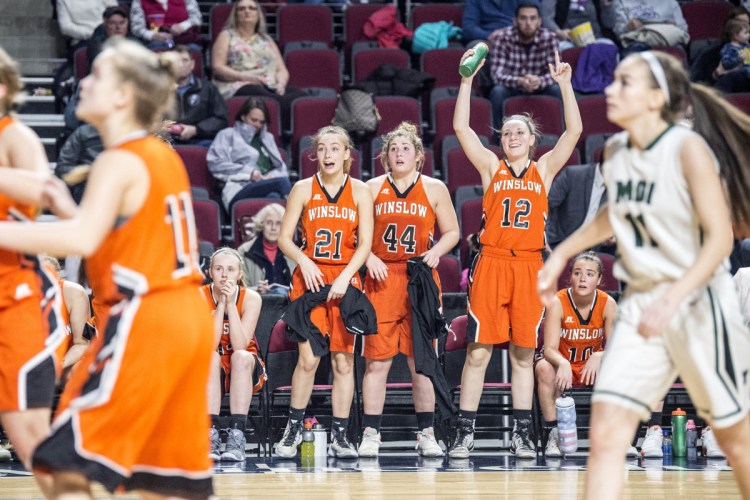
{"type": "Point", "coordinates": [236, 367]}
{"type": "Point", "coordinates": [633, 22]}
{"type": "Point", "coordinates": [80, 149]}
{"type": "Point", "coordinates": [520, 59]}
{"type": "Point", "coordinates": [116, 23]}
{"type": "Point", "coordinates": [162, 24]}
{"type": "Point", "coordinates": [245, 157]}
{"type": "Point", "coordinates": [561, 16]}
{"type": "Point", "coordinates": [705, 65]}
{"type": "Point", "coordinates": [267, 270]}
{"type": "Point", "coordinates": [575, 197]}
{"type": "Point", "coordinates": [576, 324]}
{"type": "Point", "coordinates": [201, 111]}
{"type": "Point", "coordinates": [733, 71]}
{"type": "Point", "coordinates": [483, 20]}
{"type": "Point", "coordinates": [246, 61]}
{"type": "Point", "coordinates": [79, 18]}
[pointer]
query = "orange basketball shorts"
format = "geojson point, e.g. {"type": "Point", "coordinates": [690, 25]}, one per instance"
{"type": "Point", "coordinates": [503, 304]}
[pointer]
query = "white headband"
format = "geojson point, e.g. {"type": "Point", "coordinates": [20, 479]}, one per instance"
{"type": "Point", "coordinates": [657, 70]}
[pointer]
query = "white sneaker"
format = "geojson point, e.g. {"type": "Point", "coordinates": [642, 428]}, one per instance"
{"type": "Point", "coordinates": [553, 445]}
{"type": "Point", "coordinates": [214, 452]}
{"type": "Point", "coordinates": [652, 443]}
{"type": "Point", "coordinates": [632, 452]}
{"type": "Point", "coordinates": [427, 445]}
{"type": "Point", "coordinates": [370, 445]}
{"type": "Point", "coordinates": [710, 446]}
{"type": "Point", "coordinates": [287, 447]}
{"type": "Point", "coordinates": [340, 446]}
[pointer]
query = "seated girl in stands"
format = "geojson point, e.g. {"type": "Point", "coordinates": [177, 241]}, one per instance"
{"type": "Point", "coordinates": [577, 322]}
{"type": "Point", "coordinates": [236, 366]}
{"type": "Point", "coordinates": [245, 157]}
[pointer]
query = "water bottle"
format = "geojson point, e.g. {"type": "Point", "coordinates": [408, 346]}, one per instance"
{"type": "Point", "coordinates": [566, 424]}
{"type": "Point", "coordinates": [691, 440]}
{"type": "Point", "coordinates": [469, 65]}
{"type": "Point", "coordinates": [666, 446]}
{"type": "Point", "coordinates": [679, 427]}
{"type": "Point", "coordinates": [307, 453]}
{"type": "Point", "coordinates": [321, 440]}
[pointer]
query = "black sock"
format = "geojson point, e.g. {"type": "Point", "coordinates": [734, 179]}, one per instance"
{"type": "Point", "coordinates": [339, 424]}
{"type": "Point", "coordinates": [425, 419]}
{"type": "Point", "coordinates": [215, 421]}
{"type": "Point", "coordinates": [296, 415]}
{"type": "Point", "coordinates": [238, 421]}
{"type": "Point", "coordinates": [522, 415]}
{"type": "Point", "coordinates": [372, 421]}
{"type": "Point", "coordinates": [550, 425]}
{"type": "Point", "coordinates": [655, 419]}
{"type": "Point", "coordinates": [469, 415]}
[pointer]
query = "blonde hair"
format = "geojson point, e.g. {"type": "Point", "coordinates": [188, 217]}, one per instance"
{"type": "Point", "coordinates": [10, 76]}
{"type": "Point", "coordinates": [234, 253]}
{"type": "Point", "coordinates": [408, 131]}
{"type": "Point", "coordinates": [151, 75]}
{"type": "Point", "coordinates": [260, 26]}
{"type": "Point", "coordinates": [260, 217]}
{"type": "Point", "coordinates": [336, 130]}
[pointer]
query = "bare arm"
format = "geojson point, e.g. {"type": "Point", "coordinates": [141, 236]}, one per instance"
{"type": "Point", "coordinates": [79, 311]}
{"type": "Point", "coordinates": [218, 320]}
{"type": "Point", "coordinates": [363, 199]}
{"type": "Point", "coordinates": [24, 178]}
{"type": "Point", "coordinates": [241, 329]}
{"type": "Point", "coordinates": [482, 158]}
{"type": "Point", "coordinates": [551, 163]}
{"type": "Point", "coordinates": [552, 324]}
{"type": "Point", "coordinates": [610, 311]}
{"type": "Point", "coordinates": [282, 73]}
{"type": "Point", "coordinates": [445, 215]}
{"type": "Point", "coordinates": [117, 186]}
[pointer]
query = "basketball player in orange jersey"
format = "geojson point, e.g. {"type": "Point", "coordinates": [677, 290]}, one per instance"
{"type": "Point", "coordinates": [336, 214]}
{"type": "Point", "coordinates": [407, 205]}
{"type": "Point", "coordinates": [236, 368]}
{"type": "Point", "coordinates": [27, 368]}
{"type": "Point", "coordinates": [502, 302]}
{"type": "Point", "coordinates": [124, 425]}
{"type": "Point", "coordinates": [576, 324]}
{"type": "Point", "coordinates": [75, 312]}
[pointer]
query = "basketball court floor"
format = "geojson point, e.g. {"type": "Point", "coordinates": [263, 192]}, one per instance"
{"type": "Point", "coordinates": [404, 475]}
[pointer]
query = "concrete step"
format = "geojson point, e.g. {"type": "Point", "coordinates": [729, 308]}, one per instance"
{"type": "Point", "coordinates": [32, 46]}
{"type": "Point", "coordinates": [40, 66]}
{"type": "Point", "coordinates": [38, 104]}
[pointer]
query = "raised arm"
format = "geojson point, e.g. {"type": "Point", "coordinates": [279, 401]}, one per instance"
{"type": "Point", "coordinates": [551, 163]}
{"type": "Point", "coordinates": [482, 158]}
{"type": "Point", "coordinates": [116, 187]}
{"type": "Point", "coordinates": [242, 328]}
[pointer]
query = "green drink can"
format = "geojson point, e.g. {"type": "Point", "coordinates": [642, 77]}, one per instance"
{"type": "Point", "coordinates": [469, 65]}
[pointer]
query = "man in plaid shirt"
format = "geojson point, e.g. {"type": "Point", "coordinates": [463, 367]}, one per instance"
{"type": "Point", "coordinates": [520, 58]}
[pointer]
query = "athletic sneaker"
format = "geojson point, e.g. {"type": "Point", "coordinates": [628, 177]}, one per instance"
{"type": "Point", "coordinates": [4, 455]}
{"type": "Point", "coordinates": [370, 445]}
{"type": "Point", "coordinates": [214, 452]}
{"type": "Point", "coordinates": [632, 452]}
{"type": "Point", "coordinates": [464, 441]}
{"type": "Point", "coordinates": [710, 446]}
{"type": "Point", "coordinates": [235, 449]}
{"type": "Point", "coordinates": [652, 443]}
{"type": "Point", "coordinates": [340, 446]}
{"type": "Point", "coordinates": [553, 444]}
{"type": "Point", "coordinates": [520, 441]}
{"type": "Point", "coordinates": [427, 445]}
{"type": "Point", "coordinates": [287, 447]}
